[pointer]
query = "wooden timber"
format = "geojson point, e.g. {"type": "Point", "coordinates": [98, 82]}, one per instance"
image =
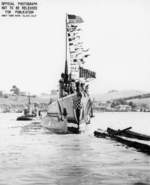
{"type": "Point", "coordinates": [141, 147]}
{"type": "Point", "coordinates": [128, 133]}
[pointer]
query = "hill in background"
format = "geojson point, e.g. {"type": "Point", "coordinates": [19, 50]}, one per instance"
{"type": "Point", "coordinates": [114, 94]}
{"type": "Point", "coordinates": [131, 100]}
{"type": "Point", "coordinates": [128, 100]}
{"type": "Point", "coordinates": [13, 103]}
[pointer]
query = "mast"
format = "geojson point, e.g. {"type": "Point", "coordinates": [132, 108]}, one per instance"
{"type": "Point", "coordinates": [66, 62]}
{"type": "Point", "coordinates": [29, 103]}
{"type": "Point", "coordinates": [74, 50]}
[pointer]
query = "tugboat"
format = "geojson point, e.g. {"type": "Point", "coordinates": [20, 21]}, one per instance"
{"type": "Point", "coordinates": [72, 111]}
{"type": "Point", "coordinates": [29, 113]}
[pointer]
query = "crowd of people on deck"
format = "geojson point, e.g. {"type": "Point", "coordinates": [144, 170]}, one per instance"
{"type": "Point", "coordinates": [69, 86]}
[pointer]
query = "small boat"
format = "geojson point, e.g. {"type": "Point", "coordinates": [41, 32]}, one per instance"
{"type": "Point", "coordinates": [29, 113]}
{"type": "Point", "coordinates": [141, 147]}
{"type": "Point", "coordinates": [128, 133]}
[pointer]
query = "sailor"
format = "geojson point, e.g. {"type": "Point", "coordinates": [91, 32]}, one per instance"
{"type": "Point", "coordinates": [72, 87]}
{"type": "Point", "coordinates": [34, 112]}
{"type": "Point", "coordinates": [26, 112]}
{"type": "Point", "coordinates": [78, 89]}
{"type": "Point", "coordinates": [61, 85]}
{"type": "Point", "coordinates": [83, 89]}
{"type": "Point", "coordinates": [87, 89]}
{"type": "Point", "coordinates": [39, 113]}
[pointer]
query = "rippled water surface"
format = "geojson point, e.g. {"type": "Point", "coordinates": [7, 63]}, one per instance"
{"type": "Point", "coordinates": [31, 155]}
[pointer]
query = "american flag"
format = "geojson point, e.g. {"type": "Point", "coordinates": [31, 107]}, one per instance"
{"type": "Point", "coordinates": [74, 19]}
{"type": "Point", "coordinates": [77, 103]}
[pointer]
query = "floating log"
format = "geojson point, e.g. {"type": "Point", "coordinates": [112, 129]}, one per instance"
{"type": "Point", "coordinates": [128, 133]}
{"type": "Point", "coordinates": [134, 144]}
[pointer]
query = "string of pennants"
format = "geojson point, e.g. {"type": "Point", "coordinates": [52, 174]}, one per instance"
{"type": "Point", "coordinates": [77, 52]}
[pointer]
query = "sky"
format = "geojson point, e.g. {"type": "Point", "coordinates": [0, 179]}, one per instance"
{"type": "Point", "coordinates": [32, 50]}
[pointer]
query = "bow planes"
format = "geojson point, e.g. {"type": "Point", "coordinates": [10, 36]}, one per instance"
{"type": "Point", "coordinates": [72, 110]}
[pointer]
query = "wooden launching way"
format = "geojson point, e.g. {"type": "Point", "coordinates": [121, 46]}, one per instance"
{"type": "Point", "coordinates": [141, 147]}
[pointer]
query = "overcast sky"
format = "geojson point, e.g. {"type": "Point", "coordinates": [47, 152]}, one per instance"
{"type": "Point", "coordinates": [32, 50]}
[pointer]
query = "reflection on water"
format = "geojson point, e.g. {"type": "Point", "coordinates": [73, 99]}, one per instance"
{"type": "Point", "coordinates": [31, 155]}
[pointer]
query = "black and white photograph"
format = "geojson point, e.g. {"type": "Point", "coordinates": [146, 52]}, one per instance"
{"type": "Point", "coordinates": [74, 92]}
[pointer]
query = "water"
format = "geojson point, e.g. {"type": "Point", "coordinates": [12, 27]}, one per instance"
{"type": "Point", "coordinates": [31, 155]}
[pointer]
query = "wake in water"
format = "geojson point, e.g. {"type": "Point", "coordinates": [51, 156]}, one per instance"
{"type": "Point", "coordinates": [31, 154]}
